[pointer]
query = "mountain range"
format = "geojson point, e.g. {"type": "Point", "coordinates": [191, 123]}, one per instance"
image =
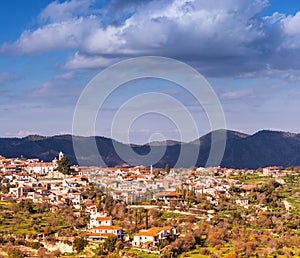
{"type": "Point", "coordinates": [264, 148]}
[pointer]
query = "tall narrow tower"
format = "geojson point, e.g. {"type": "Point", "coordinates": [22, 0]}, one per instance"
{"type": "Point", "coordinates": [60, 155]}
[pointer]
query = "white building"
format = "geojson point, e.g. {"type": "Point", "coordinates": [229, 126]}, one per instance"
{"type": "Point", "coordinates": [41, 168]}
{"type": "Point", "coordinates": [100, 233]}
{"type": "Point", "coordinates": [153, 236]}
{"type": "Point", "coordinates": [100, 219]}
{"type": "Point", "coordinates": [269, 171]}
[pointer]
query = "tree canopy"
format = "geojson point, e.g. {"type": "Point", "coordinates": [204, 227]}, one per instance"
{"type": "Point", "coordinates": [64, 166]}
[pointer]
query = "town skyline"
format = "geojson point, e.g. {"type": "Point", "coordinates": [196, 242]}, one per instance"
{"type": "Point", "coordinates": [88, 211]}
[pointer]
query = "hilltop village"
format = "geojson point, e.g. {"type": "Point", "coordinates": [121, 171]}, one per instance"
{"type": "Point", "coordinates": [54, 209]}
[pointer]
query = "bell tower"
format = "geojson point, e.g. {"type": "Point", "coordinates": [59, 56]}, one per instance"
{"type": "Point", "coordinates": [60, 155]}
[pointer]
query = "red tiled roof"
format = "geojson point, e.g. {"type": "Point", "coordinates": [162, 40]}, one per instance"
{"type": "Point", "coordinates": [103, 218]}
{"type": "Point", "coordinates": [107, 227]}
{"type": "Point", "coordinates": [174, 194]}
{"type": "Point", "coordinates": [154, 231]}
{"type": "Point", "coordinates": [100, 234]}
{"type": "Point", "coordinates": [90, 204]}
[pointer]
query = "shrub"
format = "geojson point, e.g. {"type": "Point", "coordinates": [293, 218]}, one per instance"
{"type": "Point", "coordinates": [79, 244]}
{"type": "Point", "coordinates": [11, 240]}
{"type": "Point", "coordinates": [168, 252]}
{"type": "Point", "coordinates": [34, 245]}
{"type": "Point", "coordinates": [15, 253]}
{"type": "Point", "coordinates": [110, 243]}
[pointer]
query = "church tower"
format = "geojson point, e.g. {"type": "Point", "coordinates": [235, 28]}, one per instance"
{"type": "Point", "coordinates": [60, 155]}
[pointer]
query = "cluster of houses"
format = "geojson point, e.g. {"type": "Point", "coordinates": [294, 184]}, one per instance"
{"type": "Point", "coordinates": [40, 182]}
{"type": "Point", "coordinates": [31, 178]}
{"type": "Point", "coordinates": [34, 167]}
{"type": "Point", "coordinates": [134, 184]}
{"type": "Point", "coordinates": [101, 227]}
{"type": "Point", "coordinates": [25, 179]}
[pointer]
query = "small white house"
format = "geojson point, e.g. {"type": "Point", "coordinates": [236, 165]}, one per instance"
{"type": "Point", "coordinates": [269, 171]}
{"type": "Point", "coordinates": [100, 233]}
{"type": "Point", "coordinates": [153, 236]}
{"type": "Point", "coordinates": [100, 221]}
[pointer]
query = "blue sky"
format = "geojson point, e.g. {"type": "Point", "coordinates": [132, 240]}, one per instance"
{"type": "Point", "coordinates": [249, 52]}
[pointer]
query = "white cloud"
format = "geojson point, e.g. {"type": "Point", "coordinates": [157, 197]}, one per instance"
{"type": "Point", "coordinates": [274, 18]}
{"type": "Point", "coordinates": [20, 133]}
{"type": "Point", "coordinates": [148, 27]}
{"type": "Point", "coordinates": [231, 95]}
{"type": "Point", "coordinates": [54, 36]}
{"type": "Point", "coordinates": [57, 12]}
{"type": "Point", "coordinates": [103, 41]}
{"type": "Point", "coordinates": [23, 133]}
{"type": "Point", "coordinates": [182, 27]}
{"type": "Point", "coordinates": [291, 76]}
{"type": "Point", "coordinates": [290, 26]}
{"type": "Point", "coordinates": [226, 37]}
{"type": "Point", "coordinates": [79, 61]}
{"type": "Point", "coordinates": [64, 76]}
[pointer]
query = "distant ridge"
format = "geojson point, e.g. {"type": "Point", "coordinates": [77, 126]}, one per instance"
{"type": "Point", "coordinates": [263, 148]}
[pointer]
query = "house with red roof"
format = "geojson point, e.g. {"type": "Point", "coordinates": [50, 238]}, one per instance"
{"type": "Point", "coordinates": [100, 233]}
{"type": "Point", "coordinates": [152, 237]}
{"type": "Point", "coordinates": [91, 208]}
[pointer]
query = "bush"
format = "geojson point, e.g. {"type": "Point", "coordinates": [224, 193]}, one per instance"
{"type": "Point", "coordinates": [34, 245]}
{"type": "Point", "coordinates": [11, 240]}
{"type": "Point", "coordinates": [168, 252]}
{"type": "Point", "coordinates": [21, 242]}
{"type": "Point", "coordinates": [2, 240]}
{"type": "Point", "coordinates": [15, 253]}
{"type": "Point", "coordinates": [50, 240]}
{"type": "Point", "coordinates": [109, 244]}
{"type": "Point", "coordinates": [184, 244]}
{"type": "Point", "coordinates": [79, 243]}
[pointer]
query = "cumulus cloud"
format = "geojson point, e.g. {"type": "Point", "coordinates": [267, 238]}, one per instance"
{"type": "Point", "coordinates": [219, 37]}
{"type": "Point", "coordinates": [274, 18]}
{"type": "Point", "coordinates": [54, 36]}
{"type": "Point", "coordinates": [91, 62]}
{"type": "Point", "coordinates": [290, 27]}
{"type": "Point", "coordinates": [57, 12]}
